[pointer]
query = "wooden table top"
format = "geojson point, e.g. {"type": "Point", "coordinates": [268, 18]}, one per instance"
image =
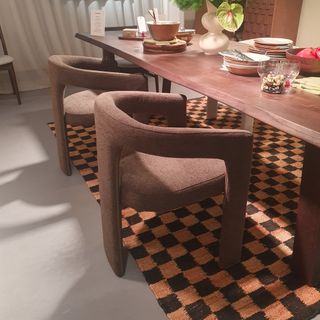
{"type": "Point", "coordinates": [296, 112]}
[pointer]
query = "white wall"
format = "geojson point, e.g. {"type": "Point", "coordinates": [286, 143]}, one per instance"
{"type": "Point", "coordinates": [309, 25]}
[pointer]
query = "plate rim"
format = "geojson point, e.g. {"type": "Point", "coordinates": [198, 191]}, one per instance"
{"type": "Point", "coordinates": [264, 40]}
{"type": "Point", "coordinates": [258, 54]}
{"type": "Point", "coordinates": [239, 66]}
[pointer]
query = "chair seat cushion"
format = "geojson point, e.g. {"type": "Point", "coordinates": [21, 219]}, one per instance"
{"type": "Point", "coordinates": [165, 182]}
{"type": "Point", "coordinates": [79, 108]}
{"type": "Point", "coordinates": [5, 60]}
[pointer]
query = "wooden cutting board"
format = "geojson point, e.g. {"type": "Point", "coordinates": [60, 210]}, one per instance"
{"type": "Point", "coordinates": [174, 46]}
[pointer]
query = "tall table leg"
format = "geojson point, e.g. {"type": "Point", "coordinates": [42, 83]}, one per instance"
{"type": "Point", "coordinates": [247, 122]}
{"type": "Point", "coordinates": [166, 85]}
{"type": "Point", "coordinates": [306, 250]}
{"type": "Point", "coordinates": [108, 60]}
{"type": "Point", "coordinates": [212, 108]}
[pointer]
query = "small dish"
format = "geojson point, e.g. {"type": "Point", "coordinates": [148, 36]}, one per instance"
{"type": "Point", "coordinates": [273, 41]}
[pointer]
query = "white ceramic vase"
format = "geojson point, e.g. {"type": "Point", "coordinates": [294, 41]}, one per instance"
{"type": "Point", "coordinates": [214, 40]}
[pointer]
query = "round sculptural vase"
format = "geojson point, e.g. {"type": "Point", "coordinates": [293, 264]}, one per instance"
{"type": "Point", "coordinates": [214, 40]}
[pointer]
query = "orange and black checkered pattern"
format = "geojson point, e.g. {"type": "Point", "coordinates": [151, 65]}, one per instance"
{"type": "Point", "coordinates": [177, 251]}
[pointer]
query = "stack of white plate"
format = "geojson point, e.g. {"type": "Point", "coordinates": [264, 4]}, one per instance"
{"type": "Point", "coordinates": [244, 67]}
{"type": "Point", "coordinates": [274, 47]}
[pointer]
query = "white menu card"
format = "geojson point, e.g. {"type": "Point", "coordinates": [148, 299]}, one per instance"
{"type": "Point", "coordinates": [97, 23]}
{"type": "Point", "coordinates": [142, 27]}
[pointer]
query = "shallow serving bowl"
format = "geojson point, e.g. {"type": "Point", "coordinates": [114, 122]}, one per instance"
{"type": "Point", "coordinates": [242, 67]}
{"type": "Point", "coordinates": [241, 70]}
{"type": "Point", "coordinates": [308, 66]}
{"type": "Point", "coordinates": [163, 30]}
{"type": "Point", "coordinates": [249, 72]}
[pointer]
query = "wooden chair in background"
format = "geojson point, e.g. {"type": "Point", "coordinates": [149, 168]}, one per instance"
{"type": "Point", "coordinates": [6, 63]}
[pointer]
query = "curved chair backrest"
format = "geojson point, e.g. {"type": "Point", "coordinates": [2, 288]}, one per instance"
{"type": "Point", "coordinates": [123, 131]}
{"type": "Point", "coordinates": [87, 72]}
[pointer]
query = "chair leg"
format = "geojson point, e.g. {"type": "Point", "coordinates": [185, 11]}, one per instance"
{"type": "Point", "coordinates": [212, 108]}
{"type": "Point", "coordinates": [57, 99]}
{"type": "Point", "coordinates": [116, 253]}
{"type": "Point", "coordinates": [156, 80]}
{"type": "Point", "coordinates": [111, 214]}
{"type": "Point", "coordinates": [166, 85]}
{"type": "Point", "coordinates": [63, 150]}
{"type": "Point", "coordinates": [234, 209]}
{"type": "Point", "coordinates": [231, 238]}
{"type": "Point", "coordinates": [14, 83]}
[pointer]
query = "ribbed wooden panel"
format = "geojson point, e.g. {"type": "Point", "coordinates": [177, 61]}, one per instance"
{"type": "Point", "coordinates": [271, 18]}
{"type": "Point", "coordinates": [258, 19]}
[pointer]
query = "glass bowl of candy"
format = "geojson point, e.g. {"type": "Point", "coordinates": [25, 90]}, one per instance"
{"type": "Point", "coordinates": [277, 76]}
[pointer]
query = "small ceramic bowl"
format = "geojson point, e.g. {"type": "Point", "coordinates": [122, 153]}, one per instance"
{"type": "Point", "coordinates": [163, 30]}
{"type": "Point", "coordinates": [308, 66]}
{"type": "Point", "coordinates": [185, 34]}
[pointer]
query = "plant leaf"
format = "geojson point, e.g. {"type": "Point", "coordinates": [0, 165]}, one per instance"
{"type": "Point", "coordinates": [231, 16]}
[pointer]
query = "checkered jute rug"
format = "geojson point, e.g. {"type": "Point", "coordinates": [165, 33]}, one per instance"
{"type": "Point", "coordinates": [177, 251]}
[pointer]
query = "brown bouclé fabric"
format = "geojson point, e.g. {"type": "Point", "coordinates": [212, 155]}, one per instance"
{"type": "Point", "coordinates": [167, 168]}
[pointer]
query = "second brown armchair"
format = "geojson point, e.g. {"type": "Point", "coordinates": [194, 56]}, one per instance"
{"type": "Point", "coordinates": [77, 108]}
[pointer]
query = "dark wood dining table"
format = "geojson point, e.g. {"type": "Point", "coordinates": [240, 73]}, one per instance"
{"type": "Point", "coordinates": [295, 112]}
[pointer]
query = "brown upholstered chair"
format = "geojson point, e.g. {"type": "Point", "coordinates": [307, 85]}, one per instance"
{"type": "Point", "coordinates": [77, 108]}
{"type": "Point", "coordinates": [6, 63]}
{"type": "Point", "coordinates": [159, 168]}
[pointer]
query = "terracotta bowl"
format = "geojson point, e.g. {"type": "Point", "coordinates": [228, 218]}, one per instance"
{"type": "Point", "coordinates": [308, 66]}
{"type": "Point", "coordinates": [185, 34]}
{"type": "Point", "coordinates": [163, 30]}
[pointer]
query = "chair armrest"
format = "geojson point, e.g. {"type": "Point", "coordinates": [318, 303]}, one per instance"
{"type": "Point", "coordinates": [85, 72]}
{"type": "Point", "coordinates": [172, 106]}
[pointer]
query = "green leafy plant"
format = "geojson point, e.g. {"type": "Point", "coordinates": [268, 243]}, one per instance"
{"type": "Point", "coordinates": [230, 16]}
{"type": "Point", "coordinates": [229, 12]}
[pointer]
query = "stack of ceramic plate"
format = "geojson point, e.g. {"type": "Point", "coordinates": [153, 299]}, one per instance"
{"type": "Point", "coordinates": [241, 66]}
{"type": "Point", "coordinates": [274, 47]}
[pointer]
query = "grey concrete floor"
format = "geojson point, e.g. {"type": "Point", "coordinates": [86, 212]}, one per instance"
{"type": "Point", "coordinates": [53, 266]}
